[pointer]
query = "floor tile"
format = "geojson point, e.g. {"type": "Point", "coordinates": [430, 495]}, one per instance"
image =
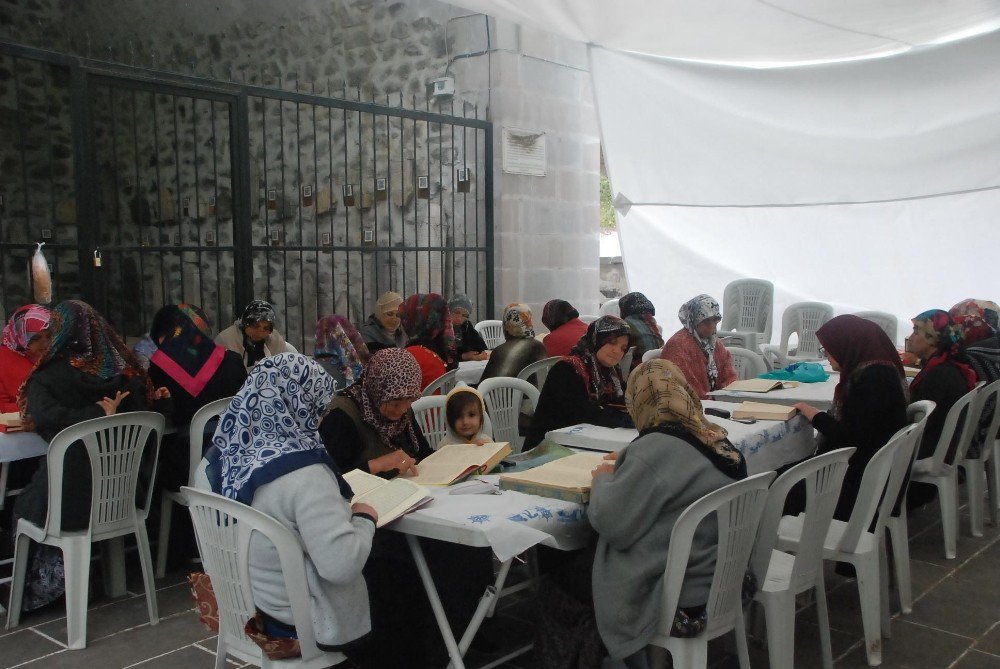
{"type": "Point", "coordinates": [990, 642]}
{"type": "Point", "coordinates": [976, 660]}
{"type": "Point", "coordinates": [912, 646]}
{"type": "Point", "coordinates": [23, 645]}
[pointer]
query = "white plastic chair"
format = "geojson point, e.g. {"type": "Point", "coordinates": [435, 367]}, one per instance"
{"type": "Point", "coordinates": [588, 319]}
{"type": "Point", "coordinates": [781, 575]}
{"type": "Point", "coordinates": [944, 476]}
{"type": "Point", "coordinates": [984, 465]}
{"type": "Point", "coordinates": [492, 333]}
{"type": "Point", "coordinates": [886, 321]}
{"type": "Point", "coordinates": [625, 364]}
{"type": "Point", "coordinates": [169, 497]}
{"type": "Point", "coordinates": [540, 370]}
{"type": "Point", "coordinates": [899, 534]}
{"type": "Point", "coordinates": [224, 528]}
{"type": "Point", "coordinates": [803, 319]}
{"type": "Point", "coordinates": [852, 542]}
{"type": "Point", "coordinates": [748, 365]}
{"type": "Point", "coordinates": [503, 396]}
{"type": "Point", "coordinates": [115, 446]}
{"type": "Point", "coordinates": [444, 383]}
{"type": "Point", "coordinates": [748, 307]}
{"type": "Point", "coordinates": [610, 308]}
{"type": "Point", "coordinates": [651, 354]}
{"type": "Point", "coordinates": [737, 509]}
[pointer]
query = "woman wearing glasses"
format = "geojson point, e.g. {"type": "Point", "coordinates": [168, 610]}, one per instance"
{"type": "Point", "coordinates": [253, 336]}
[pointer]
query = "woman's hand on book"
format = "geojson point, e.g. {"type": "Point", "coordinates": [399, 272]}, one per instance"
{"type": "Point", "coordinates": [395, 460]}
{"type": "Point", "coordinates": [807, 410]}
{"type": "Point", "coordinates": [603, 468]}
{"type": "Point", "coordinates": [368, 510]}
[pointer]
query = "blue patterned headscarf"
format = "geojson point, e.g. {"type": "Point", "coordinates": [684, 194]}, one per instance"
{"type": "Point", "coordinates": [271, 427]}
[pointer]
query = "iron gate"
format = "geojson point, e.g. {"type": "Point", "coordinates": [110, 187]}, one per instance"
{"type": "Point", "coordinates": [217, 193]}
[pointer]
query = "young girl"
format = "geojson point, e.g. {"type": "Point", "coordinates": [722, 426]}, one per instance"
{"type": "Point", "coordinates": [464, 410]}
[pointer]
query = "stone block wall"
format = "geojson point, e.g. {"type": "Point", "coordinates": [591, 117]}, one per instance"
{"type": "Point", "coordinates": [546, 232]}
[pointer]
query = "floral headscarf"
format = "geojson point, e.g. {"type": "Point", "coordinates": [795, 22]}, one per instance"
{"type": "Point", "coordinates": [256, 312]}
{"type": "Point", "coordinates": [604, 384]}
{"type": "Point", "coordinates": [427, 321]}
{"type": "Point", "coordinates": [187, 354]}
{"type": "Point", "coordinates": [391, 374]}
{"type": "Point", "coordinates": [517, 322]}
{"type": "Point", "coordinates": [340, 349]}
{"type": "Point", "coordinates": [660, 399]}
{"type": "Point", "coordinates": [693, 312]}
{"type": "Point", "coordinates": [25, 323]}
{"type": "Point", "coordinates": [557, 313]}
{"type": "Point", "coordinates": [81, 336]}
{"type": "Point", "coordinates": [938, 328]}
{"type": "Point", "coordinates": [971, 316]}
{"type": "Point", "coordinates": [271, 427]}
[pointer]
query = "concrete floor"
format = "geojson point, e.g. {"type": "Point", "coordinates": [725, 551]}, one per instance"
{"type": "Point", "coordinates": [955, 620]}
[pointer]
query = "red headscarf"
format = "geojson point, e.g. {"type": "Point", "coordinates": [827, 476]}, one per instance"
{"type": "Point", "coordinates": [856, 344]}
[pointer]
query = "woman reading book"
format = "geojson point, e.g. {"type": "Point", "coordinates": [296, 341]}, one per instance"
{"type": "Point", "coordinates": [678, 457]}
{"type": "Point", "coordinates": [267, 453]}
{"type": "Point", "coordinates": [586, 386]}
{"type": "Point", "coordinates": [371, 426]}
{"type": "Point", "coordinates": [697, 351]}
{"type": "Point", "coordinates": [869, 402]}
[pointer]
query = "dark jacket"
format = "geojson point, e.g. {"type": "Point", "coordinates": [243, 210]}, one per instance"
{"type": "Point", "coordinates": [468, 340]}
{"type": "Point", "coordinates": [510, 357]}
{"type": "Point", "coordinates": [351, 442]}
{"type": "Point", "coordinates": [226, 381]}
{"type": "Point", "coordinates": [944, 384]}
{"type": "Point", "coordinates": [564, 401]}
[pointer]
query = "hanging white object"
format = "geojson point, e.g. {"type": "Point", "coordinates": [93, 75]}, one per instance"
{"type": "Point", "coordinates": [622, 204]}
{"type": "Point", "coordinates": [41, 277]}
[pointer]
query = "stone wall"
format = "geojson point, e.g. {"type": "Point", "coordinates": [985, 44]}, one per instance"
{"type": "Point", "coordinates": [546, 232]}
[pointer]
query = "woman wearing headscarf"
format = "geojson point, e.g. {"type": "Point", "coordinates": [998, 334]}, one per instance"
{"type": "Point", "coordinates": [869, 402]}
{"type": "Point", "coordinates": [520, 347]}
{"type": "Point", "coordinates": [383, 328]}
{"type": "Point", "coordinates": [586, 386]}
{"type": "Point", "coordinates": [23, 344]}
{"type": "Point", "coordinates": [86, 372]}
{"type": "Point", "coordinates": [697, 351]}
{"type": "Point", "coordinates": [565, 327]}
{"type": "Point", "coordinates": [253, 336]}
{"type": "Point", "coordinates": [196, 371]}
{"type": "Point", "coordinates": [340, 349]}
{"type": "Point", "coordinates": [371, 426]}
{"type": "Point", "coordinates": [267, 453]}
{"type": "Point", "coordinates": [677, 458]}
{"type": "Point", "coordinates": [469, 344]}
{"type": "Point", "coordinates": [427, 322]}
{"type": "Point", "coordinates": [982, 352]}
{"type": "Point", "coordinates": [945, 376]}
{"type": "Point", "coordinates": [644, 333]}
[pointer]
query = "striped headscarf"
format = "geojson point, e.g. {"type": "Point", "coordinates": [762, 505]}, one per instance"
{"type": "Point", "coordinates": [24, 324]}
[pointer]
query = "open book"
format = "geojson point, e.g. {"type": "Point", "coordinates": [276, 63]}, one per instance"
{"type": "Point", "coordinates": [762, 411]}
{"type": "Point", "coordinates": [759, 385]}
{"type": "Point", "coordinates": [456, 462]}
{"type": "Point", "coordinates": [911, 371]}
{"type": "Point", "coordinates": [567, 478]}
{"type": "Point", "coordinates": [10, 422]}
{"type": "Point", "coordinates": [391, 498]}
{"type": "Point", "coordinates": [593, 437]}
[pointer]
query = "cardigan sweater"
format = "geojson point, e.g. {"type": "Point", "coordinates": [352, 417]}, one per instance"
{"type": "Point", "coordinates": [634, 510]}
{"type": "Point", "coordinates": [682, 350]}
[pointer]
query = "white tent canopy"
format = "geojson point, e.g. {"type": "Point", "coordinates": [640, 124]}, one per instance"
{"type": "Point", "coordinates": [847, 151]}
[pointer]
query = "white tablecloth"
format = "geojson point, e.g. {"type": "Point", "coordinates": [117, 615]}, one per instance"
{"type": "Point", "coordinates": [21, 445]}
{"type": "Point", "coordinates": [470, 371]}
{"type": "Point", "coordinates": [509, 522]}
{"type": "Point", "coordinates": [820, 395]}
{"type": "Point", "coordinates": [766, 444]}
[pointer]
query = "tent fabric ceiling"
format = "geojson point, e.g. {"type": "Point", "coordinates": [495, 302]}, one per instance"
{"type": "Point", "coordinates": [752, 33]}
{"type": "Point", "coordinates": [868, 176]}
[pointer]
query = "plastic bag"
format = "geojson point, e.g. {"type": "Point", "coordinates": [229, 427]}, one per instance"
{"type": "Point", "coordinates": [803, 372]}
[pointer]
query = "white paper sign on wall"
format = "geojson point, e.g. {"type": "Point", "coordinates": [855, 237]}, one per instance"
{"type": "Point", "coordinates": [523, 151]}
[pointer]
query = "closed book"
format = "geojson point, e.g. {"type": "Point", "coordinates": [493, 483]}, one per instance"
{"type": "Point", "coordinates": [593, 437]}
{"type": "Point", "coordinates": [390, 498]}
{"type": "Point", "coordinates": [759, 385]}
{"type": "Point", "coordinates": [568, 478]}
{"type": "Point", "coordinates": [10, 422]}
{"type": "Point", "coordinates": [762, 411]}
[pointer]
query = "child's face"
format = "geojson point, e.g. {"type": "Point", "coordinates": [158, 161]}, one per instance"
{"type": "Point", "coordinates": [469, 421]}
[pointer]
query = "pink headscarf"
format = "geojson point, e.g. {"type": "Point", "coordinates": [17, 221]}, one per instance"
{"type": "Point", "coordinates": [23, 325]}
